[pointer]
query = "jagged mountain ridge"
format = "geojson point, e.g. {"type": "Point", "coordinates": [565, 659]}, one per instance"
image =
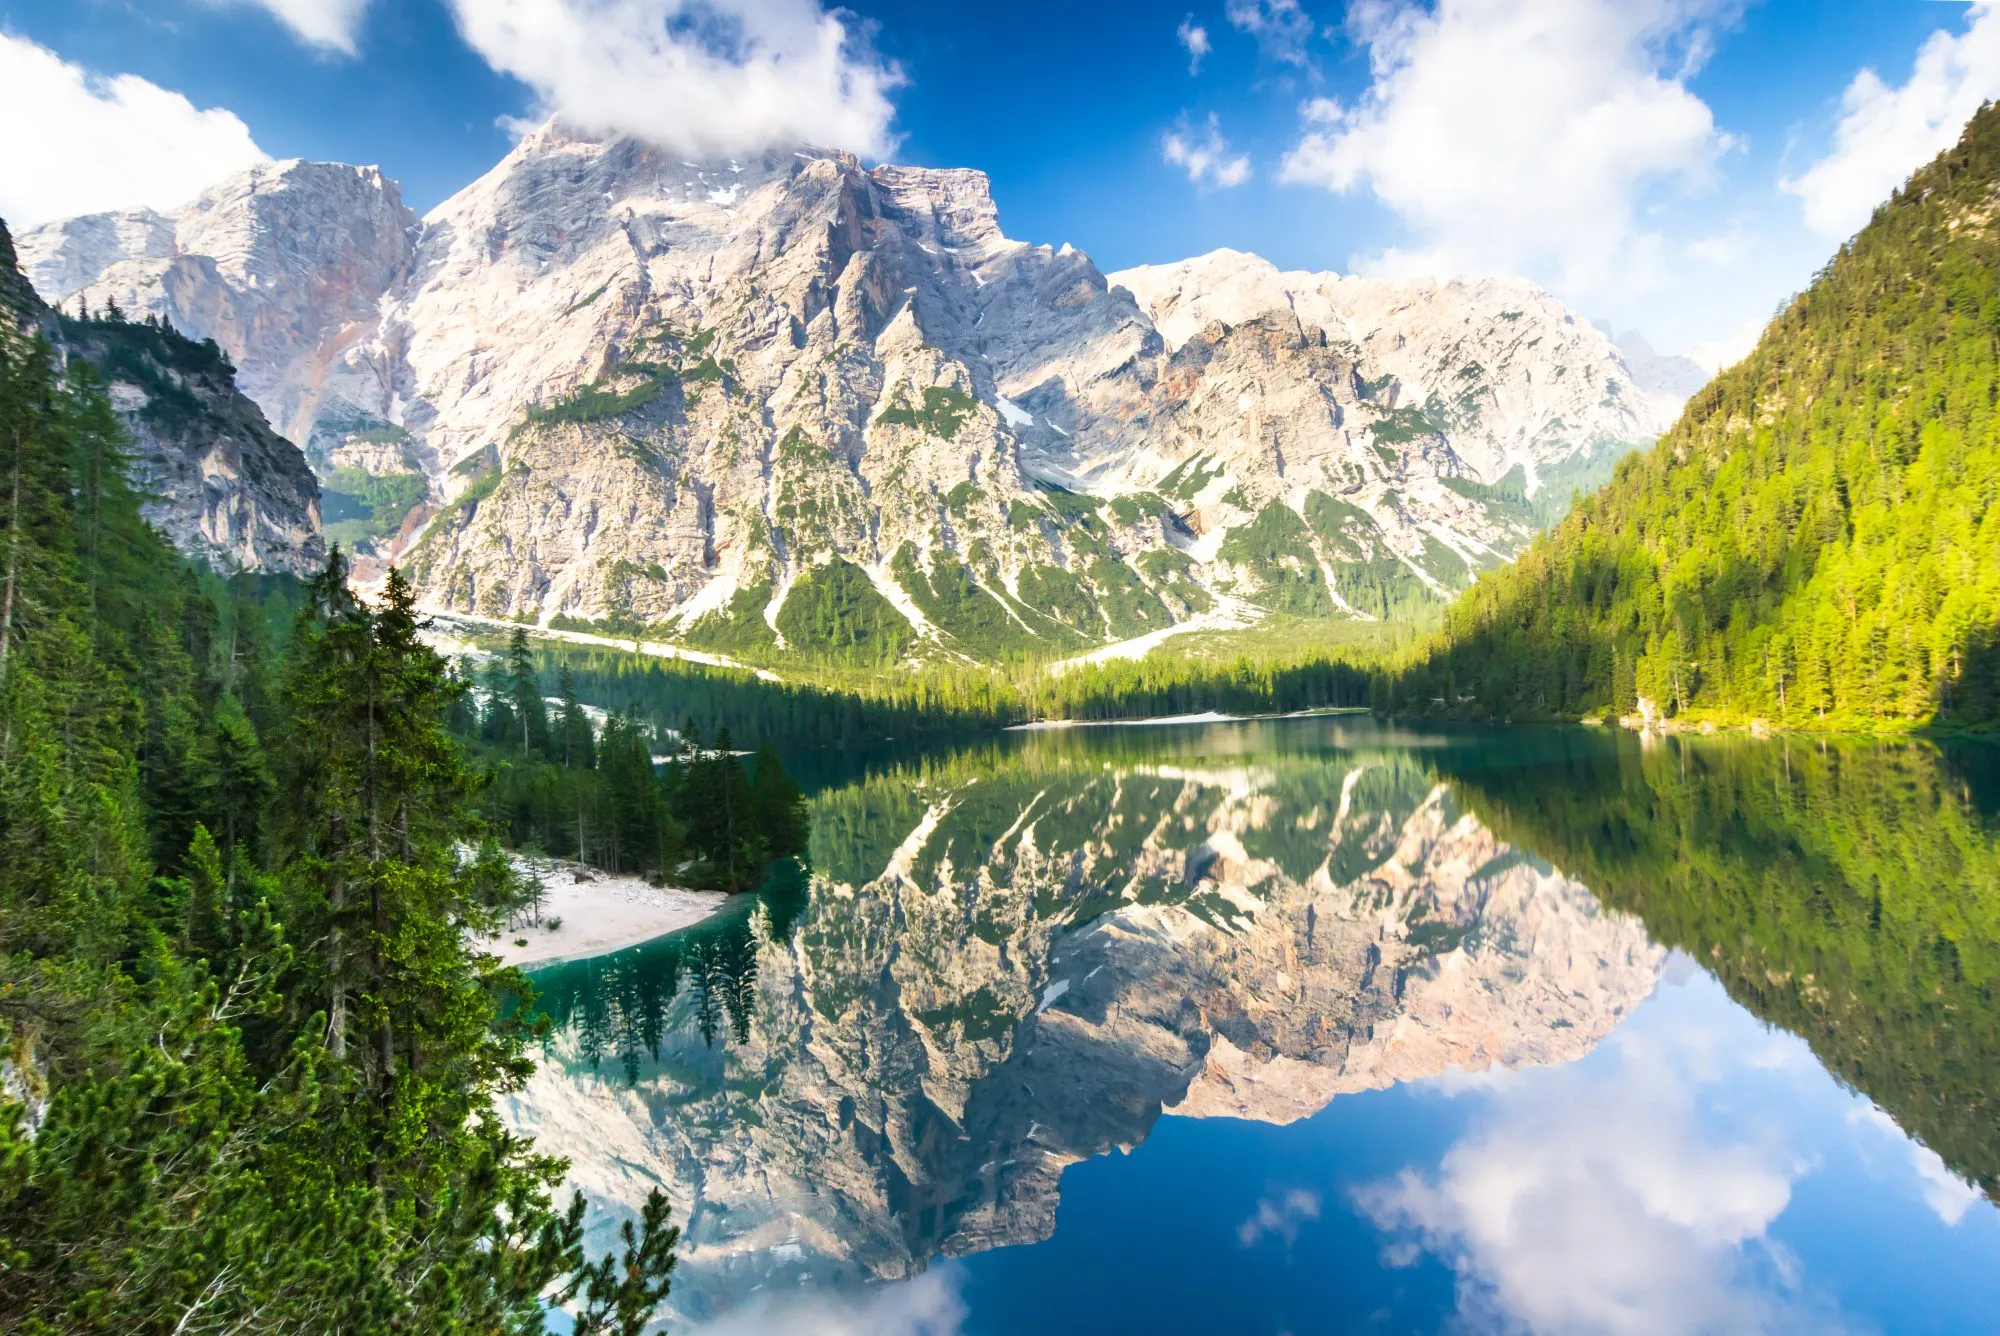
{"type": "Point", "coordinates": [218, 482]}
{"type": "Point", "coordinates": [789, 403]}
{"type": "Point", "coordinates": [1048, 960]}
{"type": "Point", "coordinates": [1489, 361]}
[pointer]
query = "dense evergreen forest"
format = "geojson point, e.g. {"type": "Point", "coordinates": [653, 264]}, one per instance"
{"type": "Point", "coordinates": [1815, 543]}
{"type": "Point", "coordinates": [658, 695]}
{"type": "Point", "coordinates": [247, 1062]}
{"type": "Point", "coordinates": [661, 693]}
{"type": "Point", "coordinates": [561, 785]}
{"type": "Point", "coordinates": [1844, 890]}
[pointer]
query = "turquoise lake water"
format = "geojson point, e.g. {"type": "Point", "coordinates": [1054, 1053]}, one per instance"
{"type": "Point", "coordinates": [1323, 1025]}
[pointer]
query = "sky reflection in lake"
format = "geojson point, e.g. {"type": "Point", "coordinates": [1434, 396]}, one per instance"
{"type": "Point", "coordinates": [1313, 1028]}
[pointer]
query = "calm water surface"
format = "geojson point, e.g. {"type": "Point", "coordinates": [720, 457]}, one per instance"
{"type": "Point", "coordinates": [1324, 1025]}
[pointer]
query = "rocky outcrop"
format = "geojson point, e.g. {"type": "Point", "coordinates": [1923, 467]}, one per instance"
{"type": "Point", "coordinates": [19, 303]}
{"type": "Point", "coordinates": [219, 483]}
{"type": "Point", "coordinates": [1051, 958]}
{"type": "Point", "coordinates": [283, 265]}
{"type": "Point", "coordinates": [1500, 368]}
{"type": "Point", "coordinates": [714, 400]}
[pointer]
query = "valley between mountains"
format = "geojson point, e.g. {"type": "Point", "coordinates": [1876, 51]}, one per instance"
{"type": "Point", "coordinates": [788, 409]}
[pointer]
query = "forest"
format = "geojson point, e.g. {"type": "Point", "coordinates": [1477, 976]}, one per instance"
{"type": "Point", "coordinates": [249, 1063]}
{"type": "Point", "coordinates": [559, 784]}
{"type": "Point", "coordinates": [1815, 543]}
{"type": "Point", "coordinates": [938, 701]}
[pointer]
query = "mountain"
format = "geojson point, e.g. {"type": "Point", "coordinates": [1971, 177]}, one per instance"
{"type": "Point", "coordinates": [18, 300]}
{"type": "Point", "coordinates": [1668, 380]}
{"type": "Point", "coordinates": [997, 973]}
{"type": "Point", "coordinates": [282, 265]}
{"type": "Point", "coordinates": [1502, 369]}
{"type": "Point", "coordinates": [788, 406]}
{"type": "Point", "coordinates": [220, 484]}
{"type": "Point", "coordinates": [1815, 542]}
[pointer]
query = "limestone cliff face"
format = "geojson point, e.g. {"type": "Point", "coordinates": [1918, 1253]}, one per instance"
{"type": "Point", "coordinates": [716, 399]}
{"type": "Point", "coordinates": [1049, 960]}
{"type": "Point", "coordinates": [283, 265]}
{"type": "Point", "coordinates": [220, 484]}
{"type": "Point", "coordinates": [1497, 366]}
{"type": "Point", "coordinates": [19, 304]}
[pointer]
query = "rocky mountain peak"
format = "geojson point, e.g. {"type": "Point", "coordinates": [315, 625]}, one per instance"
{"type": "Point", "coordinates": [1501, 367]}
{"type": "Point", "coordinates": [281, 264]}
{"type": "Point", "coordinates": [218, 482]}
{"type": "Point", "coordinates": [612, 386]}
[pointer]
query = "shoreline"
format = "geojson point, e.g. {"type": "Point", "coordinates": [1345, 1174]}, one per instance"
{"type": "Point", "coordinates": [1168, 720]}
{"type": "Point", "coordinates": [595, 914]}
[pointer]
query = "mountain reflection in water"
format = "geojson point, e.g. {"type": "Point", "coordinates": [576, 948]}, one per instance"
{"type": "Point", "coordinates": [1019, 957]}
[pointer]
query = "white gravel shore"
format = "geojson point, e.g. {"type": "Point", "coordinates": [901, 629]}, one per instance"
{"type": "Point", "coordinates": [598, 913]}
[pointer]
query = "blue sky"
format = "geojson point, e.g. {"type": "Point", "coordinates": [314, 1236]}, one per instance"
{"type": "Point", "coordinates": [1676, 166]}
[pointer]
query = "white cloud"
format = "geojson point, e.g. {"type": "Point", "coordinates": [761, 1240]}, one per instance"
{"type": "Point", "coordinates": [1722, 249]}
{"type": "Point", "coordinates": [1714, 354]}
{"type": "Point", "coordinates": [1195, 38]}
{"type": "Point", "coordinates": [114, 143]}
{"type": "Point", "coordinates": [1205, 157]}
{"type": "Point", "coordinates": [1522, 135]}
{"type": "Point", "coordinates": [1948, 1195]}
{"type": "Point", "coordinates": [1601, 1198]}
{"type": "Point", "coordinates": [334, 24]}
{"type": "Point", "coordinates": [1281, 1216]}
{"type": "Point", "coordinates": [702, 77]}
{"type": "Point", "coordinates": [927, 1306]}
{"type": "Point", "coordinates": [1886, 133]}
{"type": "Point", "coordinates": [1281, 28]}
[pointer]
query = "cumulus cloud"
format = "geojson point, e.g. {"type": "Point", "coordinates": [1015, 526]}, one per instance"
{"type": "Point", "coordinates": [702, 77]}
{"type": "Point", "coordinates": [1948, 1195]}
{"type": "Point", "coordinates": [1599, 1198]}
{"type": "Point", "coordinates": [1886, 133]}
{"type": "Point", "coordinates": [1522, 135]}
{"type": "Point", "coordinates": [1280, 1217]}
{"type": "Point", "coordinates": [1205, 156]}
{"type": "Point", "coordinates": [1195, 38]}
{"type": "Point", "coordinates": [333, 24]}
{"type": "Point", "coordinates": [927, 1306]}
{"type": "Point", "coordinates": [123, 142]}
{"type": "Point", "coordinates": [1712, 355]}
{"type": "Point", "coordinates": [1281, 28]}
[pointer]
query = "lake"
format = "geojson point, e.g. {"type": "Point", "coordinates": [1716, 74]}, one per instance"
{"type": "Point", "coordinates": [1323, 1025]}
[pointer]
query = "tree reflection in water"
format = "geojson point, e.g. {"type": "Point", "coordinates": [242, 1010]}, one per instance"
{"type": "Point", "coordinates": [617, 1005]}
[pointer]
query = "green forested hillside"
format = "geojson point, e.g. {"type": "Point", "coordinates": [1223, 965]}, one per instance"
{"type": "Point", "coordinates": [1814, 543]}
{"type": "Point", "coordinates": [248, 1062]}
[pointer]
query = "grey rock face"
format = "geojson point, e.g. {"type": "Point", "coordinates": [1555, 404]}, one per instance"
{"type": "Point", "coordinates": [282, 265]}
{"type": "Point", "coordinates": [670, 395]}
{"type": "Point", "coordinates": [220, 484]}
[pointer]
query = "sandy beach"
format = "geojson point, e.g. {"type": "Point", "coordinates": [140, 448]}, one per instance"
{"type": "Point", "coordinates": [598, 913]}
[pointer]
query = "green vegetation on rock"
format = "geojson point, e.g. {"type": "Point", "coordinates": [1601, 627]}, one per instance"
{"type": "Point", "coordinates": [1276, 550]}
{"type": "Point", "coordinates": [943, 411]}
{"type": "Point", "coordinates": [356, 505]}
{"type": "Point", "coordinates": [834, 612]}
